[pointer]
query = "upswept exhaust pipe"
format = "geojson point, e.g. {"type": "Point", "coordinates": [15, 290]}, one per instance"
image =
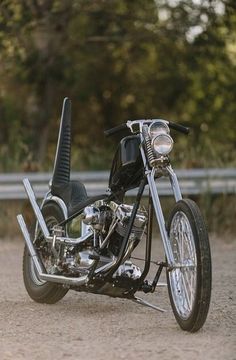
{"type": "Point", "coordinates": [82, 280]}
{"type": "Point", "coordinates": [42, 274]}
{"type": "Point", "coordinates": [37, 262]}
{"type": "Point", "coordinates": [35, 207]}
{"type": "Point", "coordinates": [42, 223]}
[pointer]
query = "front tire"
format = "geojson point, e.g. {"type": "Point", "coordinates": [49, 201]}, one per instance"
{"type": "Point", "coordinates": [42, 291]}
{"type": "Point", "coordinates": [189, 285]}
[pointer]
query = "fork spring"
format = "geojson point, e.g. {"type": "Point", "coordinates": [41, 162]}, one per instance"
{"type": "Point", "coordinates": [150, 154]}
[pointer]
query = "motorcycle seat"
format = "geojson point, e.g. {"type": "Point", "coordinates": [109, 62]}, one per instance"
{"type": "Point", "coordinates": [72, 193]}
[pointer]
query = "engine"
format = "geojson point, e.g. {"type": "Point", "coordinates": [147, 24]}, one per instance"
{"type": "Point", "coordinates": [110, 225]}
{"type": "Point", "coordinates": [107, 226]}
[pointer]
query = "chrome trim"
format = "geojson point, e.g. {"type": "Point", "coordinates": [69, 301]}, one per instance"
{"type": "Point", "coordinates": [174, 183]}
{"type": "Point", "coordinates": [183, 278]}
{"type": "Point", "coordinates": [159, 121]}
{"type": "Point", "coordinates": [106, 266]}
{"type": "Point", "coordinates": [41, 206]}
{"type": "Point", "coordinates": [59, 201]}
{"type": "Point", "coordinates": [140, 123]}
{"type": "Point", "coordinates": [76, 281]}
{"type": "Point", "coordinates": [41, 221]}
{"type": "Point", "coordinates": [79, 281]}
{"type": "Point", "coordinates": [36, 209]}
{"type": "Point", "coordinates": [158, 154]}
{"type": "Point", "coordinates": [49, 197]}
{"type": "Point", "coordinates": [29, 244]}
{"type": "Point", "coordinates": [85, 228]}
{"type": "Point", "coordinates": [160, 218]}
{"type": "Point", "coordinates": [70, 241]}
{"type": "Point", "coordinates": [54, 278]}
{"type": "Point", "coordinates": [112, 227]}
{"type": "Point", "coordinates": [150, 174]}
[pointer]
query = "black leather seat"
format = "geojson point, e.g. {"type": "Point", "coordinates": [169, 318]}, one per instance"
{"type": "Point", "coordinates": [73, 194]}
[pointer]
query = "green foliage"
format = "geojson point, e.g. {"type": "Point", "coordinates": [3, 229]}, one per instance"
{"type": "Point", "coordinates": [116, 60]}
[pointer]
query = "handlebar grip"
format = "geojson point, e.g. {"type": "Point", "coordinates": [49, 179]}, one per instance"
{"type": "Point", "coordinates": [180, 128]}
{"type": "Point", "coordinates": [115, 130]}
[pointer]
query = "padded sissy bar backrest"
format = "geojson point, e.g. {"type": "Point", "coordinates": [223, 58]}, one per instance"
{"type": "Point", "coordinates": [61, 172]}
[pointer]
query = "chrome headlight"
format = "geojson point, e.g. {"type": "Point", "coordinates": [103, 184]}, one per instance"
{"type": "Point", "coordinates": [162, 144]}
{"type": "Point", "coordinates": [157, 128]}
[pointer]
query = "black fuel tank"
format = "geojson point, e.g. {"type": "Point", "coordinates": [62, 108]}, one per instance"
{"type": "Point", "coordinates": [127, 166]}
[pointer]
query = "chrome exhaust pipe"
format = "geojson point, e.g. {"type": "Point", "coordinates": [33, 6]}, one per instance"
{"type": "Point", "coordinates": [70, 241]}
{"type": "Point", "coordinates": [36, 260]}
{"type": "Point", "coordinates": [82, 280]}
{"type": "Point", "coordinates": [36, 209]}
{"type": "Point", "coordinates": [42, 223]}
{"type": "Point", "coordinates": [59, 279]}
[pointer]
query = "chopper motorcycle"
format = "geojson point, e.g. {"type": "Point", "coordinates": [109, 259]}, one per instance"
{"type": "Point", "coordinates": [86, 243]}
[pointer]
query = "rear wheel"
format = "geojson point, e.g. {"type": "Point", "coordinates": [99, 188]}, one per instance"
{"type": "Point", "coordinates": [39, 290]}
{"type": "Point", "coordinates": [189, 284]}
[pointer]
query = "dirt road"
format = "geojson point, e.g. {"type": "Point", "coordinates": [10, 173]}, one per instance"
{"type": "Point", "coordinates": [83, 326]}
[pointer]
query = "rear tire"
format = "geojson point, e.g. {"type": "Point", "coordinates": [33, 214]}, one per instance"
{"type": "Point", "coordinates": [42, 291]}
{"type": "Point", "coordinates": [189, 287]}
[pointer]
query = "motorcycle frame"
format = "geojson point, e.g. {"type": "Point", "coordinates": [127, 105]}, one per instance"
{"type": "Point", "coordinates": [153, 206]}
{"type": "Point", "coordinates": [106, 272]}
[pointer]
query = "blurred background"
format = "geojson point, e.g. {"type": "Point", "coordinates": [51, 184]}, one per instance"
{"type": "Point", "coordinates": [119, 60]}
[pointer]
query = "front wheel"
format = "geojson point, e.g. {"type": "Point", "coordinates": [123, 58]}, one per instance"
{"type": "Point", "coordinates": [189, 283]}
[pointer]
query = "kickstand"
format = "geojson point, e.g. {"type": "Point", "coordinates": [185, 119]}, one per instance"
{"type": "Point", "coordinates": [145, 303]}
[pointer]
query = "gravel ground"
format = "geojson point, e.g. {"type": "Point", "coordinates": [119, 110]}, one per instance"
{"type": "Point", "coordinates": [86, 326]}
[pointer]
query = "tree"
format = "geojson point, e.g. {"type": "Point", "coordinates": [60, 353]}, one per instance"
{"type": "Point", "coordinates": [117, 60]}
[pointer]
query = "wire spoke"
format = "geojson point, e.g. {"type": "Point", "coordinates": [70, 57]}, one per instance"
{"type": "Point", "coordinates": [183, 280]}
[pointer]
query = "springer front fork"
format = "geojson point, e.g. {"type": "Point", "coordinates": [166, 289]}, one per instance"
{"type": "Point", "coordinates": [150, 174]}
{"type": "Point", "coordinates": [158, 209]}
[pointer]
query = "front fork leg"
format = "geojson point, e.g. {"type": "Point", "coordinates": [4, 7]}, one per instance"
{"type": "Point", "coordinates": [160, 219]}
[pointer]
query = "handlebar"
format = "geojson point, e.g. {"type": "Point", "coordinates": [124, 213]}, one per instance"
{"type": "Point", "coordinates": [115, 130]}
{"type": "Point", "coordinates": [178, 127]}
{"type": "Point", "coordinates": [183, 129]}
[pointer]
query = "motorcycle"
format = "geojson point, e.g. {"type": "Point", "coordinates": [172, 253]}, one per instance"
{"type": "Point", "coordinates": [86, 243]}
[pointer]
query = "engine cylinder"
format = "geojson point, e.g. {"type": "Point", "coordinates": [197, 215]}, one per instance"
{"type": "Point", "coordinates": [90, 215]}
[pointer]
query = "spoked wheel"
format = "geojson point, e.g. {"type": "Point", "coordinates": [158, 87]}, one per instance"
{"type": "Point", "coordinates": [39, 290]}
{"type": "Point", "coordinates": [189, 284]}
